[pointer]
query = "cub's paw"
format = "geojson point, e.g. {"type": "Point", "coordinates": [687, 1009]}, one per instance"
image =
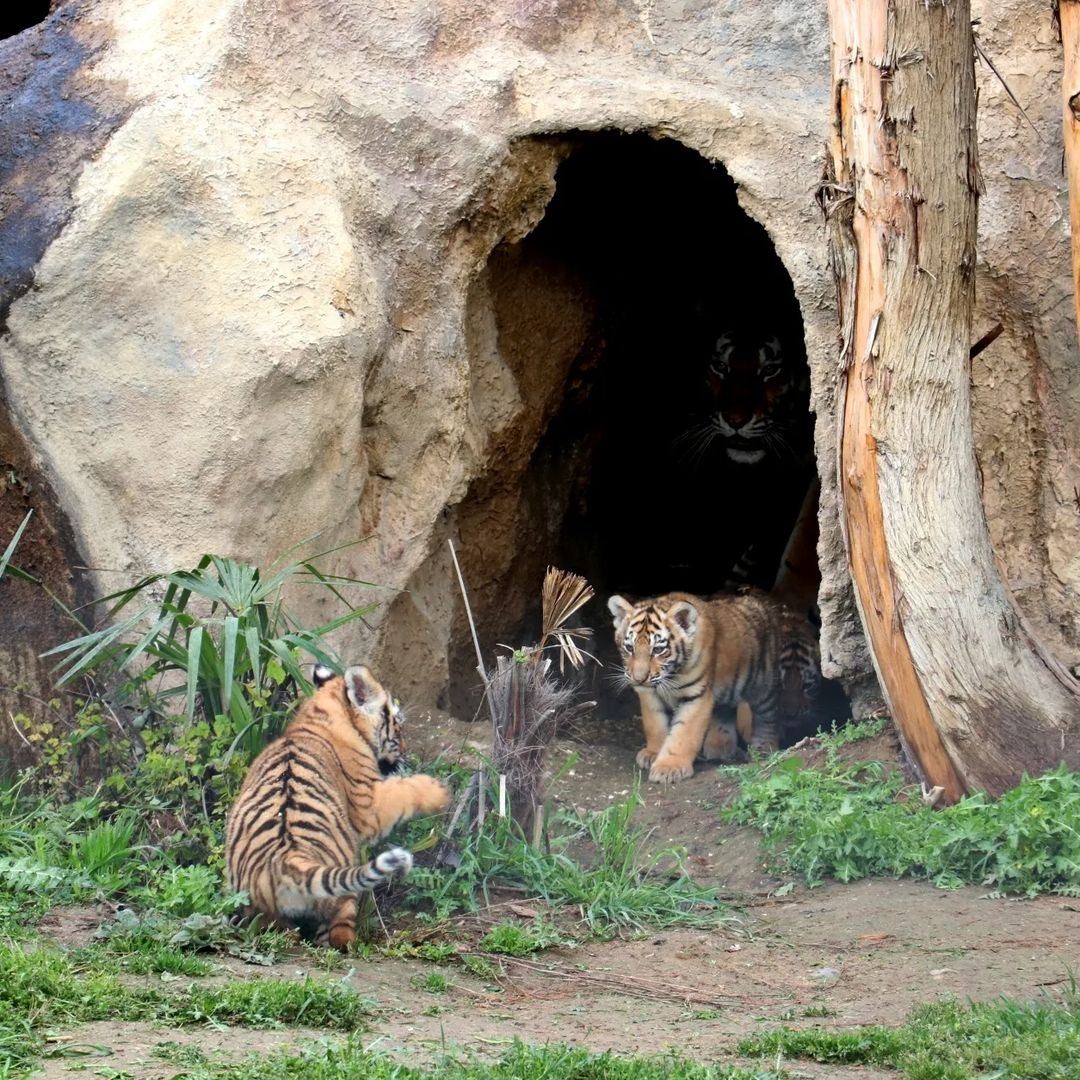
{"type": "Point", "coordinates": [431, 795]}
{"type": "Point", "coordinates": [644, 757]}
{"type": "Point", "coordinates": [395, 861]}
{"type": "Point", "coordinates": [667, 770]}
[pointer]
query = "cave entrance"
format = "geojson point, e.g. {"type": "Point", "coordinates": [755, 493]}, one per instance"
{"type": "Point", "coordinates": [662, 438]}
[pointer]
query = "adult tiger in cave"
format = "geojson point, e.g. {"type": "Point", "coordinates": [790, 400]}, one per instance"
{"type": "Point", "coordinates": [753, 440]}
{"type": "Point", "coordinates": [313, 796]}
{"type": "Point", "coordinates": [756, 394]}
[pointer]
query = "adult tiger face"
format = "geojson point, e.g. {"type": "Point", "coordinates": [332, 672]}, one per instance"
{"type": "Point", "coordinates": [757, 400]}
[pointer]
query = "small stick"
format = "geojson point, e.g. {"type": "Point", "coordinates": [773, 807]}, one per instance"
{"type": "Point", "coordinates": [475, 637]}
{"type": "Point", "coordinates": [1001, 79]}
{"type": "Point", "coordinates": [985, 341]}
{"type": "Point", "coordinates": [463, 801]}
{"type": "Point", "coordinates": [468, 609]}
{"type": "Point", "coordinates": [29, 744]}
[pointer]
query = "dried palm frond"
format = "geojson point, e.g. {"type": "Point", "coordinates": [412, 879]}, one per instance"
{"type": "Point", "coordinates": [563, 594]}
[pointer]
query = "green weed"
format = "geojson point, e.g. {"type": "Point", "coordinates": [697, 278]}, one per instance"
{"type": "Point", "coordinates": [164, 959]}
{"type": "Point", "coordinates": [235, 658]}
{"type": "Point", "coordinates": [186, 890]}
{"type": "Point", "coordinates": [180, 1053]}
{"type": "Point", "coordinates": [850, 821]}
{"type": "Point", "coordinates": [854, 731]}
{"type": "Point", "coordinates": [436, 952]}
{"type": "Point", "coordinates": [434, 983]}
{"type": "Point", "coordinates": [480, 966]}
{"type": "Point", "coordinates": [64, 852]}
{"type": "Point", "coordinates": [270, 1003]}
{"type": "Point", "coordinates": [513, 939]}
{"type": "Point", "coordinates": [130, 933]}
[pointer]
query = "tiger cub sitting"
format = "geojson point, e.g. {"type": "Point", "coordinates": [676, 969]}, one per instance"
{"type": "Point", "coordinates": [313, 796]}
{"type": "Point", "coordinates": [686, 657]}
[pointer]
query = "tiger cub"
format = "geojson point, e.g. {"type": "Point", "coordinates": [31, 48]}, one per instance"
{"type": "Point", "coordinates": [687, 657]}
{"type": "Point", "coordinates": [313, 796]}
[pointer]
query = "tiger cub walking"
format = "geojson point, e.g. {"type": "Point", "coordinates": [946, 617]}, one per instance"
{"type": "Point", "coordinates": [313, 796]}
{"type": "Point", "coordinates": [686, 657]}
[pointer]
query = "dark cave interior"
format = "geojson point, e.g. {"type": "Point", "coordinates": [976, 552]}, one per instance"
{"type": "Point", "coordinates": [630, 479]}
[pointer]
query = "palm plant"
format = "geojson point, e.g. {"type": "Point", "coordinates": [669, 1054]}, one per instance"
{"type": "Point", "coordinates": [223, 628]}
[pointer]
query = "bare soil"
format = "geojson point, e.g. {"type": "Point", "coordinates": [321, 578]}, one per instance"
{"type": "Point", "coordinates": [833, 956]}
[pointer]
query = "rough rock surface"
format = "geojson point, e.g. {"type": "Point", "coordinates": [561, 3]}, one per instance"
{"type": "Point", "coordinates": [282, 290]}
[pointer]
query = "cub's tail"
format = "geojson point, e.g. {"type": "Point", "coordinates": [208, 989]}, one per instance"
{"type": "Point", "coordinates": [324, 882]}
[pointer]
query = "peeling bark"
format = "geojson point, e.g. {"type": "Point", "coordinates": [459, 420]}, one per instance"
{"type": "Point", "coordinates": [977, 700]}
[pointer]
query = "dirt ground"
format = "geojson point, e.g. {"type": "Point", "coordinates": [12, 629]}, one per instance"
{"type": "Point", "coordinates": [835, 956]}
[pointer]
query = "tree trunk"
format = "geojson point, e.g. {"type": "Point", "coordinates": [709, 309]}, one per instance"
{"type": "Point", "coordinates": [1069, 21]}
{"type": "Point", "coordinates": [976, 700]}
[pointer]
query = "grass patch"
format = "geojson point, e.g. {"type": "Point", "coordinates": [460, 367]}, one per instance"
{"type": "Point", "coordinates": [42, 988]}
{"type": "Point", "coordinates": [519, 1062]}
{"type": "Point", "coordinates": [947, 1040]}
{"type": "Point", "coordinates": [853, 820]}
{"type": "Point", "coordinates": [617, 889]}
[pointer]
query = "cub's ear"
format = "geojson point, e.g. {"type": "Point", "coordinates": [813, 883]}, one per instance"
{"type": "Point", "coordinates": [321, 675]}
{"type": "Point", "coordinates": [685, 616]}
{"type": "Point", "coordinates": [620, 608]}
{"type": "Point", "coordinates": [361, 686]}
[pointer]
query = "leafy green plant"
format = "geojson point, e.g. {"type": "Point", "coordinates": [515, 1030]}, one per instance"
{"type": "Point", "coordinates": [855, 820]}
{"type": "Point", "coordinates": [181, 891]}
{"type": "Point", "coordinates": [220, 636]}
{"type": "Point", "coordinates": [61, 852]}
{"type": "Point", "coordinates": [131, 933]}
{"type": "Point", "coordinates": [854, 731]}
